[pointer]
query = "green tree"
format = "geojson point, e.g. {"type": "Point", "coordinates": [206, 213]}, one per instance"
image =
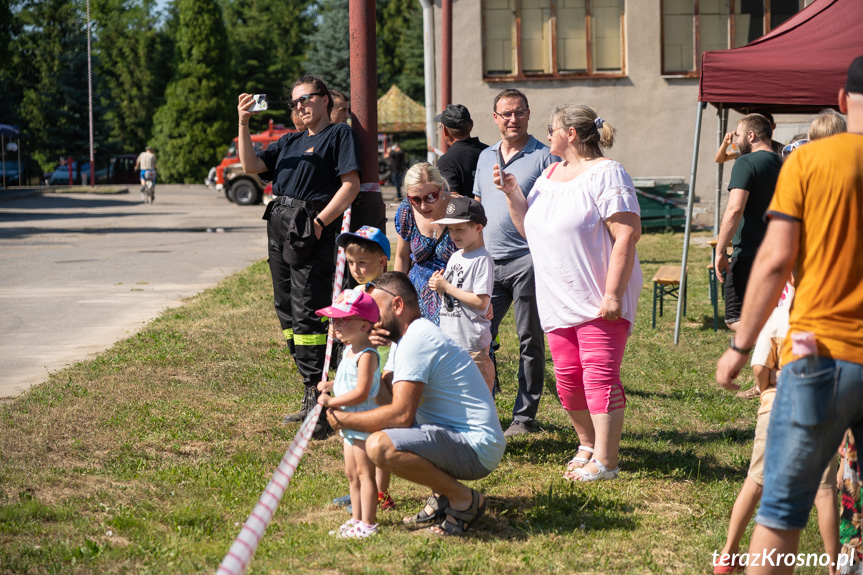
{"type": "Point", "coordinates": [400, 47]}
{"type": "Point", "coordinates": [268, 39]}
{"type": "Point", "coordinates": [329, 55]}
{"type": "Point", "coordinates": [50, 65]}
{"type": "Point", "coordinates": [196, 121]}
{"type": "Point", "coordinates": [134, 66]}
{"type": "Point", "coordinates": [10, 90]}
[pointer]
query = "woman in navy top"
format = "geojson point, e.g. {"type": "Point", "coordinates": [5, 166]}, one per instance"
{"type": "Point", "coordinates": [316, 176]}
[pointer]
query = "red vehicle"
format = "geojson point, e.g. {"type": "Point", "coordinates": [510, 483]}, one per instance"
{"type": "Point", "coordinates": [240, 187]}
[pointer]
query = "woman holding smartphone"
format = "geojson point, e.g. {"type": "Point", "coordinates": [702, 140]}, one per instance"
{"type": "Point", "coordinates": [582, 222]}
{"type": "Point", "coordinates": [315, 175]}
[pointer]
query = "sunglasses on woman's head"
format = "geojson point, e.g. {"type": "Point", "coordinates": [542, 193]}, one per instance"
{"type": "Point", "coordinates": [304, 99]}
{"type": "Point", "coordinates": [793, 146]}
{"type": "Point", "coordinates": [429, 198]}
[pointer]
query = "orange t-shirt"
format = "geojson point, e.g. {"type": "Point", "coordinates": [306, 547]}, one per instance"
{"type": "Point", "coordinates": [821, 185]}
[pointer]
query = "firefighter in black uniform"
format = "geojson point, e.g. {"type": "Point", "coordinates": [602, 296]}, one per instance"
{"type": "Point", "coordinates": [316, 176]}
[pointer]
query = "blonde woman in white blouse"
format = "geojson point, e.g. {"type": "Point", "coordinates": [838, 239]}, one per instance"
{"type": "Point", "coordinates": [581, 221]}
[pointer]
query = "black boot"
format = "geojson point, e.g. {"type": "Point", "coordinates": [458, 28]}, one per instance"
{"type": "Point", "coordinates": [322, 427]}
{"type": "Point", "coordinates": [310, 399]}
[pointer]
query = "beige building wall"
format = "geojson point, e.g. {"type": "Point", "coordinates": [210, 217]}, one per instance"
{"type": "Point", "coordinates": [654, 115]}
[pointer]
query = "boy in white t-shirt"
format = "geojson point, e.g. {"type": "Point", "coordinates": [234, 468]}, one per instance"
{"type": "Point", "coordinates": [466, 285]}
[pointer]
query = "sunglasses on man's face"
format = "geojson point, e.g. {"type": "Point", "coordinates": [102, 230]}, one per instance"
{"type": "Point", "coordinates": [429, 198]}
{"type": "Point", "coordinates": [304, 99]}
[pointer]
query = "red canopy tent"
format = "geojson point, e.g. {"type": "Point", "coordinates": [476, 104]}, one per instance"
{"type": "Point", "coordinates": [798, 67]}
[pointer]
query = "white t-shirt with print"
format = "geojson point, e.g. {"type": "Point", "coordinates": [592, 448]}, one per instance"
{"type": "Point", "coordinates": [472, 272]}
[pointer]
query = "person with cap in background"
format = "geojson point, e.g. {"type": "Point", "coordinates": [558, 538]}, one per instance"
{"type": "Point", "coordinates": [458, 164]}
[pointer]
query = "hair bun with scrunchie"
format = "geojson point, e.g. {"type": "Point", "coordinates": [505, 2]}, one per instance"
{"type": "Point", "coordinates": [598, 122]}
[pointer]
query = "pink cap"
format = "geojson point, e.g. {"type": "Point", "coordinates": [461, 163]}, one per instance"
{"type": "Point", "coordinates": [353, 303]}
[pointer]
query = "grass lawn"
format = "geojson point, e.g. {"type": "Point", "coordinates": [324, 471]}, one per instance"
{"type": "Point", "coordinates": [148, 458]}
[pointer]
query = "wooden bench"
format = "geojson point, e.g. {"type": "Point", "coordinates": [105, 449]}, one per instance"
{"type": "Point", "coordinates": [666, 282]}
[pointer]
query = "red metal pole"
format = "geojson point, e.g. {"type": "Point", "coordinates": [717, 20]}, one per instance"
{"type": "Point", "coordinates": [364, 85]}
{"type": "Point", "coordinates": [446, 58]}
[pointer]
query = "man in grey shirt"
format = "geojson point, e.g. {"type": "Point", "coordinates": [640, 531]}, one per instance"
{"type": "Point", "coordinates": [525, 158]}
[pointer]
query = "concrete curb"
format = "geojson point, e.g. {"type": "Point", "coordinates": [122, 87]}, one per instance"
{"type": "Point", "coordinates": [17, 193]}
{"type": "Point", "coordinates": [9, 195]}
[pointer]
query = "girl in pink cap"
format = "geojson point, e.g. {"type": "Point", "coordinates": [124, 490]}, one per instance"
{"type": "Point", "coordinates": [354, 389]}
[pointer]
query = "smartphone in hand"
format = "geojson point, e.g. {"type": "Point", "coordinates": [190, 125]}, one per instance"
{"type": "Point", "coordinates": [260, 103]}
{"type": "Point", "coordinates": [500, 164]}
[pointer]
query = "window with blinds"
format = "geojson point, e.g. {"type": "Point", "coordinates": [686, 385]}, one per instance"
{"type": "Point", "coordinates": [553, 38]}
{"type": "Point", "coordinates": [690, 27]}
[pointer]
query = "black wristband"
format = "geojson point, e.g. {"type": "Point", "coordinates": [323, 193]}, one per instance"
{"type": "Point", "coordinates": [744, 351]}
{"type": "Point", "coordinates": [320, 222]}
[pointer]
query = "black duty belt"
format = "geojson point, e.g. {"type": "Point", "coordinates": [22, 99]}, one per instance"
{"type": "Point", "coordinates": [295, 203]}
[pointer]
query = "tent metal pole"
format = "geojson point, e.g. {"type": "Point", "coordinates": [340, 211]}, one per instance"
{"type": "Point", "coordinates": [429, 75]}
{"type": "Point", "coordinates": [720, 136]}
{"type": "Point", "coordinates": [682, 289]}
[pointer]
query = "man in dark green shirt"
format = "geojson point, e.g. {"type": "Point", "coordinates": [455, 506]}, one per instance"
{"type": "Point", "coordinates": [753, 180]}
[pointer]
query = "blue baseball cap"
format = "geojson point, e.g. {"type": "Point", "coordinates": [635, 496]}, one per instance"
{"type": "Point", "coordinates": [369, 234]}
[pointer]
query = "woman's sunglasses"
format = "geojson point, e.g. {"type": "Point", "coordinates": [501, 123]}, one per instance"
{"type": "Point", "coordinates": [304, 99]}
{"type": "Point", "coordinates": [793, 146]}
{"type": "Point", "coordinates": [429, 198]}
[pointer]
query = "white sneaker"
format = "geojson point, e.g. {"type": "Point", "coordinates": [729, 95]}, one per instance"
{"type": "Point", "coordinates": [345, 527]}
{"type": "Point", "coordinates": [360, 531]}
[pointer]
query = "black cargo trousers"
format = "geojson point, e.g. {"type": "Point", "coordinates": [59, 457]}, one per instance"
{"type": "Point", "coordinates": [306, 284]}
{"type": "Point", "coordinates": [302, 267]}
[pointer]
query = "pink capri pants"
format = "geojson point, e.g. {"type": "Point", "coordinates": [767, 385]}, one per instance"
{"type": "Point", "coordinates": [587, 364]}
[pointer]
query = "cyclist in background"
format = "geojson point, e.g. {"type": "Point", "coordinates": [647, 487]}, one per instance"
{"type": "Point", "coordinates": [146, 162]}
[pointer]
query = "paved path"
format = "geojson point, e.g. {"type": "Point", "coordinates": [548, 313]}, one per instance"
{"type": "Point", "coordinates": [80, 271]}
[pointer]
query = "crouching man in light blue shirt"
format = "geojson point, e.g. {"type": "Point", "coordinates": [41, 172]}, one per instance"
{"type": "Point", "coordinates": [442, 425]}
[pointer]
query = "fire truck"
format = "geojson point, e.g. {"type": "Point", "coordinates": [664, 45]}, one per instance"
{"type": "Point", "coordinates": [229, 177]}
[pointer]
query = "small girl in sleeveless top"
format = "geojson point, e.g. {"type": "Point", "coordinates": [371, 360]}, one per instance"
{"type": "Point", "coordinates": [355, 388]}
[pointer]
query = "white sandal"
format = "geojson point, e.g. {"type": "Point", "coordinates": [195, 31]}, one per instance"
{"type": "Point", "coordinates": [604, 473]}
{"type": "Point", "coordinates": [578, 462]}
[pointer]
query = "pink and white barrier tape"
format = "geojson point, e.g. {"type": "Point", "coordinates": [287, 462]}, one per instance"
{"type": "Point", "coordinates": [240, 555]}
{"type": "Point", "coordinates": [337, 289]}
{"type": "Point", "coordinates": [238, 558]}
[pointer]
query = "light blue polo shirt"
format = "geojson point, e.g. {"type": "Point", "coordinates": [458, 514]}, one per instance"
{"type": "Point", "coordinates": [501, 236]}
{"type": "Point", "coordinates": [455, 394]}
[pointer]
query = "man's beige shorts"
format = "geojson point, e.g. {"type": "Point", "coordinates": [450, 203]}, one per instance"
{"type": "Point", "coordinates": [756, 466]}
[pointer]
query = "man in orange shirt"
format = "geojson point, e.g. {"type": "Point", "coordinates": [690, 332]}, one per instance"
{"type": "Point", "coordinates": [816, 218]}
